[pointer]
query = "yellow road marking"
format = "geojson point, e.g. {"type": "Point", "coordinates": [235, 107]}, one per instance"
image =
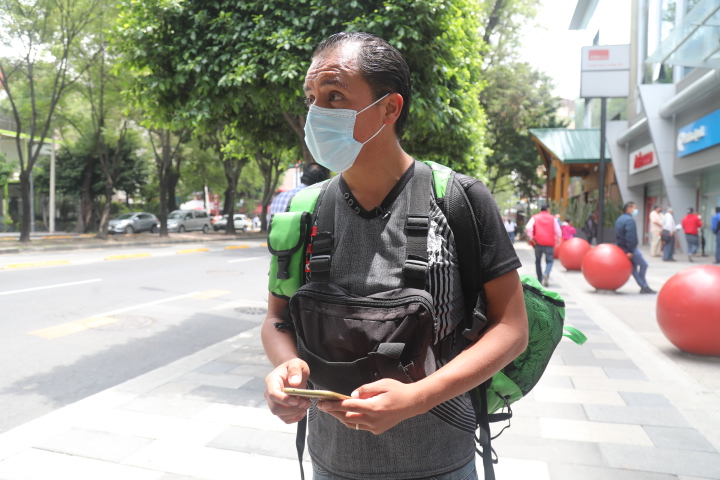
{"type": "Point", "coordinates": [193, 250]}
{"type": "Point", "coordinates": [86, 235]}
{"type": "Point", "coordinates": [72, 327]}
{"type": "Point", "coordinates": [128, 255]}
{"type": "Point", "coordinates": [208, 294]}
{"type": "Point", "coordinates": [36, 264]}
{"type": "Point", "coordinates": [8, 239]}
{"type": "Point", "coordinates": [263, 244]}
{"type": "Point", "coordinates": [50, 237]}
{"type": "Point", "coordinates": [233, 247]}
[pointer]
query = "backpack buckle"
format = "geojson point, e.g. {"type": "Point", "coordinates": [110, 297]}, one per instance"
{"type": "Point", "coordinates": [417, 222]}
{"type": "Point", "coordinates": [283, 265]}
{"type": "Point", "coordinates": [319, 264]}
{"type": "Point", "coordinates": [414, 269]}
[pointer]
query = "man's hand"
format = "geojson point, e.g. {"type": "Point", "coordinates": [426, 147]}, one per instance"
{"type": "Point", "coordinates": [377, 406]}
{"type": "Point", "coordinates": [629, 255]}
{"type": "Point", "coordinates": [291, 374]}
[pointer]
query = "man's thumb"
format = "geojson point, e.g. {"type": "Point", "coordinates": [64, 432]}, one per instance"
{"type": "Point", "coordinates": [369, 390]}
{"type": "Point", "coordinates": [297, 373]}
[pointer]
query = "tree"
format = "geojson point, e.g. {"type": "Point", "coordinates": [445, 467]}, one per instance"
{"type": "Point", "coordinates": [166, 144]}
{"type": "Point", "coordinates": [234, 59]}
{"type": "Point", "coordinates": [47, 36]}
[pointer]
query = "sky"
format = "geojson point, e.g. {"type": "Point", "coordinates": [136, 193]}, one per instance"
{"type": "Point", "coordinates": [552, 48]}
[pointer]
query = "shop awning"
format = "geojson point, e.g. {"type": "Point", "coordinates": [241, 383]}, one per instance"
{"type": "Point", "coordinates": [569, 146]}
{"type": "Point", "coordinates": [695, 42]}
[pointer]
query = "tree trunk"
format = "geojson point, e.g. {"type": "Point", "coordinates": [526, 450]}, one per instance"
{"type": "Point", "coordinates": [297, 123]}
{"type": "Point", "coordinates": [105, 217]}
{"type": "Point", "coordinates": [227, 206]}
{"type": "Point", "coordinates": [25, 197]}
{"type": "Point", "coordinates": [86, 199]}
{"type": "Point", "coordinates": [172, 180]}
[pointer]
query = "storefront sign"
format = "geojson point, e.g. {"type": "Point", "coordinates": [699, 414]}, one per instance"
{"type": "Point", "coordinates": [699, 135]}
{"type": "Point", "coordinates": [643, 159]}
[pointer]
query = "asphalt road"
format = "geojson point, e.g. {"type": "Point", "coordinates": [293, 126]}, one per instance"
{"type": "Point", "coordinates": [75, 323]}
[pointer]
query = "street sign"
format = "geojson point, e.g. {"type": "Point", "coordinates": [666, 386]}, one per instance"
{"type": "Point", "coordinates": [605, 71]}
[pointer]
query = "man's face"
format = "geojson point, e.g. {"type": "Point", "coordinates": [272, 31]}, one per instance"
{"type": "Point", "coordinates": [334, 81]}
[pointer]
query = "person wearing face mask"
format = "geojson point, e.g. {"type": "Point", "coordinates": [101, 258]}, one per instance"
{"type": "Point", "coordinates": [358, 91]}
{"type": "Point", "coordinates": [626, 238]}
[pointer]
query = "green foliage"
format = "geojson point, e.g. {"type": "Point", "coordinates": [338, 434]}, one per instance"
{"type": "Point", "coordinates": [196, 62]}
{"type": "Point", "coordinates": [6, 170]}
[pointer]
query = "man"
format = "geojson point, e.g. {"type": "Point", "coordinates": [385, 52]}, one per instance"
{"type": "Point", "coordinates": [385, 429]}
{"type": "Point", "coordinates": [627, 239]}
{"type": "Point", "coordinates": [544, 232]}
{"type": "Point", "coordinates": [510, 228]}
{"type": "Point", "coordinates": [668, 235]}
{"type": "Point", "coordinates": [312, 174]}
{"type": "Point", "coordinates": [691, 223]}
{"type": "Point", "coordinates": [656, 231]}
{"type": "Point", "coordinates": [716, 231]}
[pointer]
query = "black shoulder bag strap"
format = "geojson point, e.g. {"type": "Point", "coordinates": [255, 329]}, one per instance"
{"type": "Point", "coordinates": [417, 226]}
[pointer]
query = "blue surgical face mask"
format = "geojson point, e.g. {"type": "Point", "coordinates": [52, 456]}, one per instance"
{"type": "Point", "coordinates": [635, 212]}
{"type": "Point", "coordinates": [329, 136]}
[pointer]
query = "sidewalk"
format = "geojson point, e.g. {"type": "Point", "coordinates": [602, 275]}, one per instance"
{"type": "Point", "coordinates": [626, 405]}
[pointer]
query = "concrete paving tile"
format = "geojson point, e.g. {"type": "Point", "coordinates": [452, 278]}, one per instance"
{"type": "Point", "coordinates": [213, 380]}
{"type": "Point", "coordinates": [650, 400]}
{"type": "Point", "coordinates": [663, 460]}
{"type": "Point", "coordinates": [173, 389]}
{"type": "Point", "coordinates": [234, 396]}
{"type": "Point", "coordinates": [555, 381]}
{"type": "Point", "coordinates": [239, 416]}
{"type": "Point", "coordinates": [255, 384]}
{"type": "Point", "coordinates": [160, 427]}
{"type": "Point", "coordinates": [606, 353]}
{"type": "Point", "coordinates": [520, 426]}
{"type": "Point", "coordinates": [531, 408]}
{"type": "Point", "coordinates": [176, 407]}
{"type": "Point", "coordinates": [216, 367]}
{"type": "Point", "coordinates": [556, 360]}
{"type": "Point", "coordinates": [519, 468]}
{"type": "Point", "coordinates": [548, 450]}
{"type": "Point", "coordinates": [35, 464]}
{"type": "Point", "coordinates": [172, 476]}
{"type": "Point", "coordinates": [212, 463]}
{"type": "Point", "coordinates": [564, 471]}
{"type": "Point", "coordinates": [596, 432]}
{"type": "Point", "coordinates": [614, 385]}
{"type": "Point", "coordinates": [575, 371]}
{"type": "Point", "coordinates": [590, 361]}
{"type": "Point", "coordinates": [106, 446]}
{"type": "Point", "coordinates": [681, 438]}
{"type": "Point", "coordinates": [246, 357]}
{"type": "Point", "coordinates": [250, 440]}
{"type": "Point", "coordinates": [635, 415]}
{"type": "Point", "coordinates": [566, 395]}
{"type": "Point", "coordinates": [625, 374]}
{"type": "Point", "coordinates": [261, 371]}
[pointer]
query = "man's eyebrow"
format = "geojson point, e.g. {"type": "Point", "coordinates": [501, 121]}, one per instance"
{"type": "Point", "coordinates": [329, 81]}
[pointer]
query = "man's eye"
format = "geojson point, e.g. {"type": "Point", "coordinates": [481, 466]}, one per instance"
{"type": "Point", "coordinates": [308, 101]}
{"type": "Point", "coordinates": [335, 97]}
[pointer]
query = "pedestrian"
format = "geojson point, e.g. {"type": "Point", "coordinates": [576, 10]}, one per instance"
{"type": "Point", "coordinates": [716, 231]}
{"type": "Point", "coordinates": [626, 238]}
{"type": "Point", "coordinates": [568, 231]}
{"type": "Point", "coordinates": [691, 223]}
{"type": "Point", "coordinates": [544, 233]}
{"type": "Point", "coordinates": [590, 228]}
{"type": "Point", "coordinates": [312, 174]}
{"type": "Point", "coordinates": [510, 227]}
{"type": "Point", "coordinates": [656, 228]}
{"type": "Point", "coordinates": [668, 235]}
{"type": "Point", "coordinates": [358, 89]}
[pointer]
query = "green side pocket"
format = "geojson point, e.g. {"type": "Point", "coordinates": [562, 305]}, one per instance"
{"type": "Point", "coordinates": [501, 388]}
{"type": "Point", "coordinates": [286, 237]}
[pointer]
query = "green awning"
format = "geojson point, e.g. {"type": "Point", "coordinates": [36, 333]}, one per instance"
{"type": "Point", "coordinates": [572, 146]}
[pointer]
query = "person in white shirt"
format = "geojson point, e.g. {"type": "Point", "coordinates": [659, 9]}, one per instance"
{"type": "Point", "coordinates": [656, 218]}
{"type": "Point", "coordinates": [668, 225]}
{"type": "Point", "coordinates": [510, 228]}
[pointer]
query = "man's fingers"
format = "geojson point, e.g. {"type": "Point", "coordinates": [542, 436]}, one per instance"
{"type": "Point", "coordinates": [297, 373]}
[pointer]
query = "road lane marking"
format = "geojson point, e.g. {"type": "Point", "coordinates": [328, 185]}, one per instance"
{"type": "Point", "coordinates": [127, 255]}
{"type": "Point", "coordinates": [50, 263]}
{"type": "Point", "coordinates": [193, 250]}
{"type": "Point", "coordinates": [52, 237]}
{"type": "Point", "coordinates": [51, 286]}
{"type": "Point", "coordinates": [263, 244]}
{"type": "Point", "coordinates": [68, 328]}
{"type": "Point", "coordinates": [234, 247]}
{"type": "Point", "coordinates": [245, 259]}
{"type": "Point", "coordinates": [209, 294]}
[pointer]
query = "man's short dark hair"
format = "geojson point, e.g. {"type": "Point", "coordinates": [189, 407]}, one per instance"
{"type": "Point", "coordinates": [381, 65]}
{"type": "Point", "coordinates": [544, 207]}
{"type": "Point", "coordinates": [717, 209]}
{"type": "Point", "coordinates": [691, 209]}
{"type": "Point", "coordinates": [628, 205]}
{"type": "Point", "coordinates": [656, 207]}
{"type": "Point", "coordinates": [314, 173]}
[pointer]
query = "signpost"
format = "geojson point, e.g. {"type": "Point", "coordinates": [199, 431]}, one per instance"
{"type": "Point", "coordinates": [605, 74]}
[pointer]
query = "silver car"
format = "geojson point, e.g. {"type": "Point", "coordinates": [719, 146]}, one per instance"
{"type": "Point", "coordinates": [188, 220]}
{"type": "Point", "coordinates": [239, 220]}
{"type": "Point", "coordinates": [134, 222]}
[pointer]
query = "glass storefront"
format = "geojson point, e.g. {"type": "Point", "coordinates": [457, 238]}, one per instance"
{"type": "Point", "coordinates": [654, 195]}
{"type": "Point", "coordinates": [709, 199]}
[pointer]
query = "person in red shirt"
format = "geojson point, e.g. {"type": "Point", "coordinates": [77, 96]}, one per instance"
{"type": "Point", "coordinates": [690, 225]}
{"type": "Point", "coordinates": [543, 231]}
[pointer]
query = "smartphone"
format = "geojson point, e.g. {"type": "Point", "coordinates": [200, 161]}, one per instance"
{"type": "Point", "coordinates": [319, 394]}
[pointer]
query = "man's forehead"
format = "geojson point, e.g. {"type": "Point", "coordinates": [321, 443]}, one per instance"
{"type": "Point", "coordinates": [335, 67]}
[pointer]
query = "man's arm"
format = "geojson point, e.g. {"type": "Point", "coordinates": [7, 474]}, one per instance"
{"type": "Point", "coordinates": [381, 405]}
{"type": "Point", "coordinates": [529, 228]}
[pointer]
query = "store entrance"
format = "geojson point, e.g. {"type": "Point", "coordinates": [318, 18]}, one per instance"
{"type": "Point", "coordinates": [708, 202]}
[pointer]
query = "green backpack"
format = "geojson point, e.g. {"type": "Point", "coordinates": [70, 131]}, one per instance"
{"type": "Point", "coordinates": [289, 235]}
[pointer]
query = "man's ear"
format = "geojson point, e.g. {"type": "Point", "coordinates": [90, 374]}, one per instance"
{"type": "Point", "coordinates": [393, 107]}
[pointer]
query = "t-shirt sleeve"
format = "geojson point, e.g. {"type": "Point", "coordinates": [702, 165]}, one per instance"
{"type": "Point", "coordinates": [498, 255]}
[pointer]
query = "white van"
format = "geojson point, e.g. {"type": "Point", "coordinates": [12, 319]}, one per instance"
{"type": "Point", "coordinates": [188, 220]}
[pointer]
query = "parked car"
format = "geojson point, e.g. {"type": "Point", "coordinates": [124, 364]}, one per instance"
{"type": "Point", "coordinates": [134, 222]}
{"type": "Point", "coordinates": [188, 220]}
{"type": "Point", "coordinates": [240, 221]}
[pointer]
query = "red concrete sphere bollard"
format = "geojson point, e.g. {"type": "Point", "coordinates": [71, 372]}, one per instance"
{"type": "Point", "coordinates": [572, 253]}
{"type": "Point", "coordinates": [606, 267]}
{"type": "Point", "coordinates": [688, 310]}
{"type": "Point", "coordinates": [558, 247]}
